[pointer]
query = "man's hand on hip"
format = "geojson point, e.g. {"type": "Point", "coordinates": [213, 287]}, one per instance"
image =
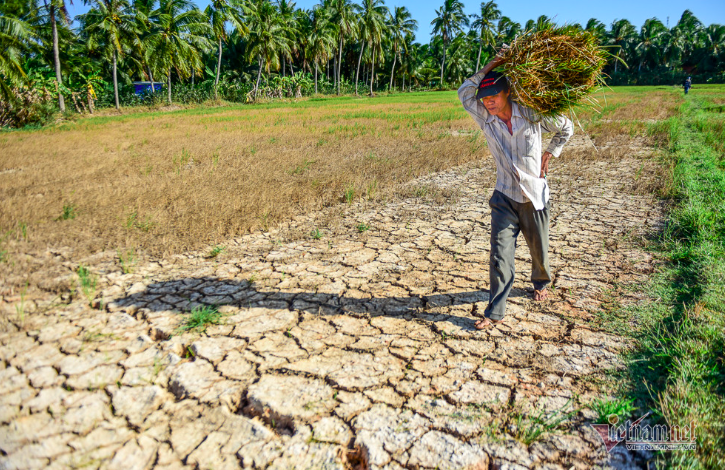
{"type": "Point", "coordinates": [545, 164]}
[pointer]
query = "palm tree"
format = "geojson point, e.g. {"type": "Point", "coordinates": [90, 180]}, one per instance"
{"type": "Point", "coordinates": [320, 39]}
{"type": "Point", "coordinates": [372, 15]}
{"type": "Point", "coordinates": [218, 13]}
{"type": "Point", "coordinates": [401, 25]}
{"type": "Point", "coordinates": [597, 28]}
{"type": "Point", "coordinates": [288, 15]}
{"type": "Point", "coordinates": [621, 35]}
{"type": "Point", "coordinates": [687, 31]}
{"type": "Point", "coordinates": [179, 32]}
{"type": "Point", "coordinates": [267, 37]}
{"type": "Point", "coordinates": [712, 50]}
{"type": "Point", "coordinates": [345, 19]}
{"type": "Point", "coordinates": [57, 10]}
{"type": "Point", "coordinates": [110, 27]}
{"type": "Point", "coordinates": [541, 23]}
{"type": "Point", "coordinates": [484, 23]}
{"type": "Point", "coordinates": [649, 41]}
{"type": "Point", "coordinates": [506, 30]}
{"type": "Point", "coordinates": [449, 21]}
{"type": "Point", "coordinates": [16, 35]}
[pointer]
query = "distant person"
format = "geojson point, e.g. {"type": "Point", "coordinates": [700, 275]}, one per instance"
{"type": "Point", "coordinates": [687, 85]}
{"type": "Point", "coordinates": [520, 202]}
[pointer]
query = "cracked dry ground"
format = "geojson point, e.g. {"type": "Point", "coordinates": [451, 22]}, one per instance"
{"type": "Point", "coordinates": [354, 348]}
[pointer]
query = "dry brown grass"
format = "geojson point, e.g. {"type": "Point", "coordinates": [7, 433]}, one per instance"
{"type": "Point", "coordinates": [166, 182]}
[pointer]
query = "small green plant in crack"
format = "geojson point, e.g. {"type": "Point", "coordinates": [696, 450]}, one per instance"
{"type": "Point", "coordinates": [530, 428]}
{"type": "Point", "coordinates": [200, 318]}
{"type": "Point", "coordinates": [316, 234]}
{"type": "Point", "coordinates": [363, 227]}
{"type": "Point", "coordinates": [88, 282]}
{"type": "Point", "coordinates": [20, 308]}
{"type": "Point", "coordinates": [606, 410]}
{"type": "Point", "coordinates": [127, 259]}
{"type": "Point", "coordinates": [216, 251]}
{"type": "Point", "coordinates": [444, 335]}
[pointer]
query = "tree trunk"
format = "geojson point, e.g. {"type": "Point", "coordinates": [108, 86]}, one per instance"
{"type": "Point", "coordinates": [151, 76]}
{"type": "Point", "coordinates": [334, 72]}
{"type": "Point", "coordinates": [259, 76]}
{"type": "Point", "coordinates": [357, 74]}
{"type": "Point", "coordinates": [218, 70]}
{"type": "Point", "coordinates": [56, 57]}
{"type": "Point", "coordinates": [284, 68]}
{"type": "Point", "coordinates": [315, 77]}
{"type": "Point", "coordinates": [443, 64]}
{"type": "Point", "coordinates": [478, 60]}
{"type": "Point", "coordinates": [115, 79]}
{"type": "Point", "coordinates": [616, 60]}
{"type": "Point", "coordinates": [90, 102]}
{"type": "Point", "coordinates": [339, 72]}
{"type": "Point", "coordinates": [392, 71]}
{"type": "Point", "coordinates": [169, 85]}
{"type": "Point", "coordinates": [372, 74]}
{"type": "Point", "coordinates": [193, 72]}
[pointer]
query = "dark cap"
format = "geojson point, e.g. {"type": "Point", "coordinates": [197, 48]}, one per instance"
{"type": "Point", "coordinates": [492, 84]}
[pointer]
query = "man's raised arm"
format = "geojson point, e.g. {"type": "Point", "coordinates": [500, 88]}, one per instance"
{"type": "Point", "coordinates": [467, 91]}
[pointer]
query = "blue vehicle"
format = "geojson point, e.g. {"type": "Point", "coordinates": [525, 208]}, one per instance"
{"type": "Point", "coordinates": [141, 88]}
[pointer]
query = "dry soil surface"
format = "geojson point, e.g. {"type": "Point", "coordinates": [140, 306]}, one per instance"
{"type": "Point", "coordinates": [355, 347]}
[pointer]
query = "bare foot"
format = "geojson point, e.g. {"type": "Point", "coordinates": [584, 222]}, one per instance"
{"type": "Point", "coordinates": [542, 294]}
{"type": "Point", "coordinates": [484, 323]}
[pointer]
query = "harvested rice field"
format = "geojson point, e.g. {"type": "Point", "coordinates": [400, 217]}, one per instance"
{"type": "Point", "coordinates": [294, 285]}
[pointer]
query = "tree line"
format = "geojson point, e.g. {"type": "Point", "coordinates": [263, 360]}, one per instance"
{"type": "Point", "coordinates": [241, 49]}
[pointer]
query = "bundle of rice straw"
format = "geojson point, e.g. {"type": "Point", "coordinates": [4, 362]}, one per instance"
{"type": "Point", "coordinates": [554, 69]}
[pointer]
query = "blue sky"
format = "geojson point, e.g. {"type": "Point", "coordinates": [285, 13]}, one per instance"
{"type": "Point", "coordinates": [564, 11]}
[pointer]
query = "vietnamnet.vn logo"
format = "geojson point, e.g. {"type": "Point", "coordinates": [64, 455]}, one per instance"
{"type": "Point", "coordinates": [639, 436]}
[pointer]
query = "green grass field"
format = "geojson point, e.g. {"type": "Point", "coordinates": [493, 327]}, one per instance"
{"type": "Point", "coordinates": [678, 367]}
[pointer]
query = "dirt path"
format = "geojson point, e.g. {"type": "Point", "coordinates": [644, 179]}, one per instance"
{"type": "Point", "coordinates": [357, 340]}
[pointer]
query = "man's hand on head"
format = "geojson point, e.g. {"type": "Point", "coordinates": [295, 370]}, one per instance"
{"type": "Point", "coordinates": [545, 164]}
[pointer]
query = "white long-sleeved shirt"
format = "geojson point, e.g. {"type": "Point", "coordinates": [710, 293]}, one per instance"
{"type": "Point", "coordinates": [517, 155]}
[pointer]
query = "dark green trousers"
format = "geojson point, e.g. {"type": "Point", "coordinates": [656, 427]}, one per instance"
{"type": "Point", "coordinates": [508, 218]}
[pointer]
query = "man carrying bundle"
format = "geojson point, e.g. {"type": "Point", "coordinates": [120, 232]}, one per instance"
{"type": "Point", "coordinates": [520, 202]}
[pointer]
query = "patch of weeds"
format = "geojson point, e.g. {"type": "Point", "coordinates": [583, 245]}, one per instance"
{"type": "Point", "coordinates": [299, 169]}
{"type": "Point", "coordinates": [88, 282]}
{"type": "Point", "coordinates": [264, 220]}
{"type": "Point", "coordinates": [363, 227]}
{"type": "Point", "coordinates": [200, 318]}
{"type": "Point", "coordinates": [127, 259]}
{"type": "Point", "coordinates": [216, 251]}
{"type": "Point", "coordinates": [422, 191]}
{"type": "Point", "coordinates": [253, 149]}
{"type": "Point", "coordinates": [530, 428]}
{"type": "Point", "coordinates": [133, 221]}
{"type": "Point", "coordinates": [372, 189]}
{"type": "Point", "coordinates": [316, 234]}
{"type": "Point", "coordinates": [182, 160]}
{"type": "Point", "coordinates": [70, 211]}
{"type": "Point", "coordinates": [23, 231]}
{"type": "Point", "coordinates": [607, 410]}
{"type": "Point", "coordinates": [20, 308]}
{"type": "Point", "coordinates": [349, 194]}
